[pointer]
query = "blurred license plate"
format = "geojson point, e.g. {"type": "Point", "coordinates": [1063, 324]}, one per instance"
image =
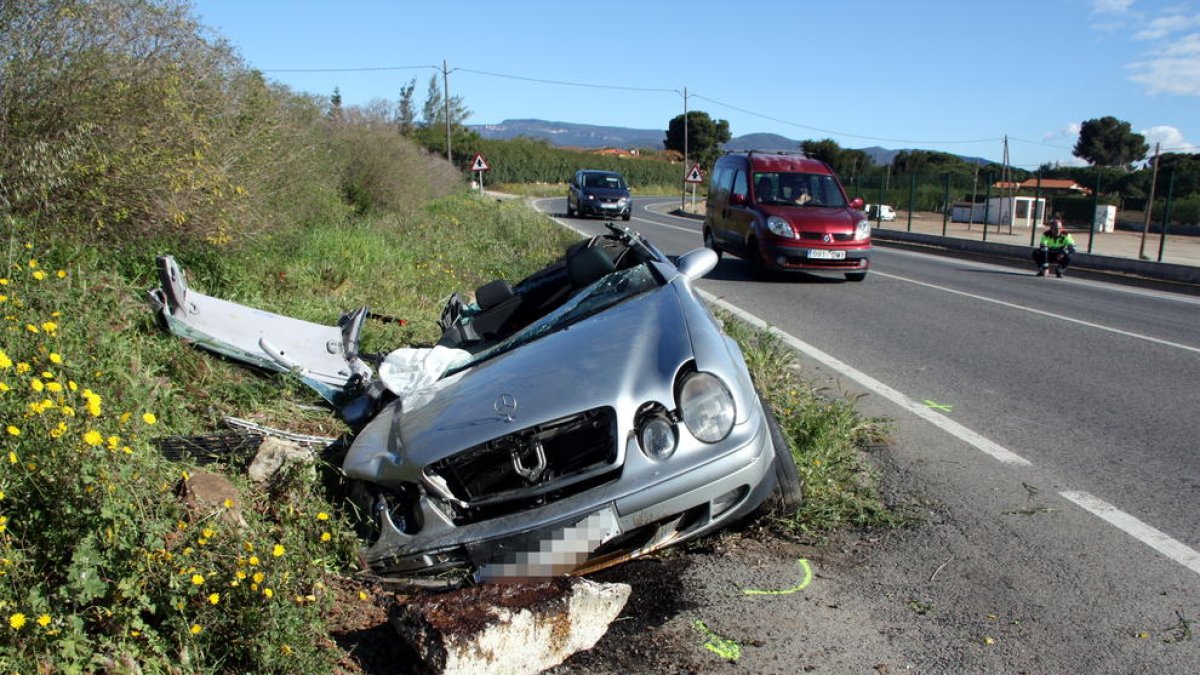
{"type": "Point", "coordinates": [827, 255]}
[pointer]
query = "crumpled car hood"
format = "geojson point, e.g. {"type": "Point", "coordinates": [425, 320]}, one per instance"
{"type": "Point", "coordinates": [628, 354]}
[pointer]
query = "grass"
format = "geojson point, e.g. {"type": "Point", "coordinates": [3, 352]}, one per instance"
{"type": "Point", "coordinates": [102, 567]}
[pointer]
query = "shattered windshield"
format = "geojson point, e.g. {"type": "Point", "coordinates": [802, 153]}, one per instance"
{"type": "Point", "coordinates": [613, 289]}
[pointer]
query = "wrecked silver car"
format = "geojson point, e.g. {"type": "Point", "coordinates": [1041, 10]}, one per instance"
{"type": "Point", "coordinates": [590, 413]}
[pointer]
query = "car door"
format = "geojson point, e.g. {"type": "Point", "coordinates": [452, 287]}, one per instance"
{"type": "Point", "coordinates": [740, 215]}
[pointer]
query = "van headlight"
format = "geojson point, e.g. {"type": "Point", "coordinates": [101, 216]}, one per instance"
{"type": "Point", "coordinates": [862, 230]}
{"type": "Point", "coordinates": [780, 227]}
{"type": "Point", "coordinates": [706, 407]}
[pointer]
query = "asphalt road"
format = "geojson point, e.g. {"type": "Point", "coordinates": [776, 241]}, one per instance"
{"type": "Point", "coordinates": [1044, 428]}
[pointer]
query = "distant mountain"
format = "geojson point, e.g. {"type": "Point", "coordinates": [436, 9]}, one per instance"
{"type": "Point", "coordinates": [567, 134]}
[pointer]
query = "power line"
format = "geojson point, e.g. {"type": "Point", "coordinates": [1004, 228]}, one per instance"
{"type": "Point", "coordinates": [568, 84]}
{"type": "Point", "coordinates": [840, 132]}
{"type": "Point", "coordinates": [353, 70]}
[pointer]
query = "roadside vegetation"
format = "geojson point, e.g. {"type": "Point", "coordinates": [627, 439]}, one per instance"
{"type": "Point", "coordinates": [128, 134]}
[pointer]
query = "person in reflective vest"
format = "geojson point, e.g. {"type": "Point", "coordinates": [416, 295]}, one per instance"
{"type": "Point", "coordinates": [1057, 245]}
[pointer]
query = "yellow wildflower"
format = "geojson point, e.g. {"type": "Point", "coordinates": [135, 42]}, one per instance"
{"type": "Point", "coordinates": [322, 516]}
{"type": "Point", "coordinates": [196, 629]}
{"type": "Point", "coordinates": [268, 593]}
{"type": "Point", "coordinates": [149, 418]}
{"type": "Point", "coordinates": [23, 368]}
{"type": "Point", "coordinates": [258, 577]}
{"type": "Point", "coordinates": [54, 387]}
{"type": "Point", "coordinates": [44, 620]}
{"type": "Point", "coordinates": [197, 580]}
{"type": "Point", "coordinates": [50, 327]}
{"type": "Point", "coordinates": [362, 595]}
{"type": "Point", "coordinates": [39, 275]}
{"type": "Point", "coordinates": [37, 385]}
{"type": "Point", "coordinates": [278, 551]}
{"type": "Point", "coordinates": [12, 456]}
{"type": "Point", "coordinates": [33, 263]}
{"type": "Point", "coordinates": [3, 387]}
{"type": "Point", "coordinates": [5, 362]}
{"type": "Point", "coordinates": [254, 561]}
{"type": "Point", "coordinates": [31, 328]}
{"type": "Point", "coordinates": [214, 598]}
{"type": "Point", "coordinates": [16, 621]}
{"type": "Point", "coordinates": [93, 438]}
{"type": "Point", "coordinates": [287, 651]}
{"type": "Point", "coordinates": [12, 431]}
{"type": "Point", "coordinates": [62, 274]}
{"type": "Point", "coordinates": [228, 503]}
{"type": "Point", "coordinates": [325, 536]}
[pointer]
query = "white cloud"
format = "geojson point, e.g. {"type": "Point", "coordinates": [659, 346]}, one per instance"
{"type": "Point", "coordinates": [1171, 69]}
{"type": "Point", "coordinates": [1111, 6]}
{"type": "Point", "coordinates": [1165, 25]}
{"type": "Point", "coordinates": [1069, 131]}
{"type": "Point", "coordinates": [1170, 138]}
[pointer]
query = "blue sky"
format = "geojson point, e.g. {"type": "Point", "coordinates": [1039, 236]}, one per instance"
{"type": "Point", "coordinates": [954, 75]}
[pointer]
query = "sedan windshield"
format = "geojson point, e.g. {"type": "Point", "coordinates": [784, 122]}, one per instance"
{"type": "Point", "coordinates": [611, 290]}
{"type": "Point", "coordinates": [797, 189]}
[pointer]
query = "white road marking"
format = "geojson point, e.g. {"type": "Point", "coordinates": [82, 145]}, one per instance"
{"type": "Point", "coordinates": [917, 408]}
{"type": "Point", "coordinates": [1159, 541]}
{"type": "Point", "coordinates": [1052, 315]}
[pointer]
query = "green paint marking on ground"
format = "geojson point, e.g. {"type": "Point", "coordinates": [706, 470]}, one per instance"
{"type": "Point", "coordinates": [939, 406]}
{"type": "Point", "coordinates": [808, 576]}
{"type": "Point", "coordinates": [722, 647]}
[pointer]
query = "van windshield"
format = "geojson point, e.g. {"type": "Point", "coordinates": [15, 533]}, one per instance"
{"type": "Point", "coordinates": [797, 189]}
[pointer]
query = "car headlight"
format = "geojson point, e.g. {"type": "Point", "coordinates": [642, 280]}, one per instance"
{"type": "Point", "coordinates": [591, 196]}
{"type": "Point", "coordinates": [780, 227]}
{"type": "Point", "coordinates": [706, 407]}
{"type": "Point", "coordinates": [862, 230]}
{"type": "Point", "coordinates": [622, 201]}
{"type": "Point", "coordinates": [656, 436]}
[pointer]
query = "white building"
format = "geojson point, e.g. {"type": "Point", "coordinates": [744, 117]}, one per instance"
{"type": "Point", "coordinates": [1017, 211]}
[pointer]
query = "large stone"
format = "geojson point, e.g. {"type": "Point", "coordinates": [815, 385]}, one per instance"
{"type": "Point", "coordinates": [205, 494]}
{"type": "Point", "coordinates": [276, 453]}
{"type": "Point", "coordinates": [508, 629]}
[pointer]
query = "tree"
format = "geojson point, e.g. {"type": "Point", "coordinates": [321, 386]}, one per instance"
{"type": "Point", "coordinates": [704, 136]}
{"type": "Point", "coordinates": [335, 104]}
{"type": "Point", "coordinates": [434, 112]}
{"type": "Point", "coordinates": [1108, 141]}
{"type": "Point", "coordinates": [827, 150]}
{"type": "Point", "coordinates": [405, 113]}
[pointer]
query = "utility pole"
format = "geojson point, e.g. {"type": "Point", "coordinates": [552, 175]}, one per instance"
{"type": "Point", "coordinates": [1149, 205]}
{"type": "Point", "coordinates": [682, 185]}
{"type": "Point", "coordinates": [446, 96]}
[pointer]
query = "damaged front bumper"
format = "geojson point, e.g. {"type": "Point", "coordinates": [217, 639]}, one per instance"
{"type": "Point", "coordinates": [585, 532]}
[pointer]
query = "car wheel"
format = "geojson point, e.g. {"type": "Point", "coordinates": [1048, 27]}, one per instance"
{"type": "Point", "coordinates": [754, 261]}
{"type": "Point", "coordinates": [711, 243]}
{"type": "Point", "coordinates": [789, 491]}
{"type": "Point", "coordinates": [626, 216]}
{"type": "Point", "coordinates": [855, 276]}
{"type": "Point", "coordinates": [570, 210]}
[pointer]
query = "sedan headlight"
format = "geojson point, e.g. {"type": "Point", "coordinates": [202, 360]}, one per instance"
{"type": "Point", "coordinates": [862, 230]}
{"type": "Point", "coordinates": [706, 407]}
{"type": "Point", "coordinates": [622, 201]}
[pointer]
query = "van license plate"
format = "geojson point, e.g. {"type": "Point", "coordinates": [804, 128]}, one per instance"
{"type": "Point", "coordinates": [827, 255]}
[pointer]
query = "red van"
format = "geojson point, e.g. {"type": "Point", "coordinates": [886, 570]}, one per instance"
{"type": "Point", "coordinates": [786, 212]}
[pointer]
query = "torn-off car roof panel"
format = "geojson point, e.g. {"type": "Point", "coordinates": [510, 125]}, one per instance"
{"type": "Point", "coordinates": [324, 357]}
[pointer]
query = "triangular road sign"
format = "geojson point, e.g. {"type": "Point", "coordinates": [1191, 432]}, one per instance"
{"type": "Point", "coordinates": [694, 175]}
{"type": "Point", "coordinates": [478, 163]}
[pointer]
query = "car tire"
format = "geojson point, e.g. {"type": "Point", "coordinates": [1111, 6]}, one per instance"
{"type": "Point", "coordinates": [754, 261]}
{"type": "Point", "coordinates": [626, 216]}
{"type": "Point", "coordinates": [788, 494]}
{"type": "Point", "coordinates": [571, 212]}
{"type": "Point", "coordinates": [711, 243]}
{"type": "Point", "coordinates": [855, 276]}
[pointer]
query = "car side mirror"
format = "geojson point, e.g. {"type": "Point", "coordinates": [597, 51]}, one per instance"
{"type": "Point", "coordinates": [857, 203]}
{"type": "Point", "coordinates": [738, 199]}
{"type": "Point", "coordinates": [696, 263]}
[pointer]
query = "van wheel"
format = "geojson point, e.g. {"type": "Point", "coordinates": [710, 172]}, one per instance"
{"type": "Point", "coordinates": [855, 276]}
{"type": "Point", "coordinates": [754, 261]}
{"type": "Point", "coordinates": [711, 243]}
{"type": "Point", "coordinates": [788, 494]}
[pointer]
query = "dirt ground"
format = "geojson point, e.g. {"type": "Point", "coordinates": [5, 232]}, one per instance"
{"type": "Point", "coordinates": [656, 632]}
